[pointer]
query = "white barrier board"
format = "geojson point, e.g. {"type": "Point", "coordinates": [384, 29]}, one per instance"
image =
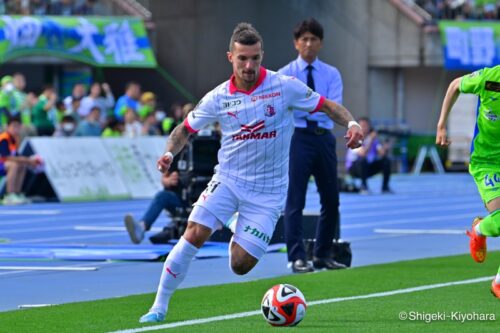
{"type": "Point", "coordinates": [135, 159]}
{"type": "Point", "coordinates": [80, 169]}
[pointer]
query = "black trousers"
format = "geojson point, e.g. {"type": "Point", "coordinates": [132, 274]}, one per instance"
{"type": "Point", "coordinates": [364, 170]}
{"type": "Point", "coordinates": [312, 154]}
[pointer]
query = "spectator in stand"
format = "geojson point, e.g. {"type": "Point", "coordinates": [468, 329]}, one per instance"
{"type": "Point", "coordinates": [113, 129]}
{"type": "Point", "coordinates": [18, 7]}
{"type": "Point", "coordinates": [174, 119]}
{"type": "Point", "coordinates": [133, 127]}
{"type": "Point", "coordinates": [62, 8]}
{"type": "Point", "coordinates": [66, 127]}
{"type": "Point", "coordinates": [95, 99]}
{"type": "Point", "coordinates": [13, 166]}
{"type": "Point", "coordinates": [91, 125]}
{"type": "Point", "coordinates": [7, 99]}
{"type": "Point", "coordinates": [86, 8]}
{"type": "Point", "coordinates": [129, 100]}
{"type": "Point", "coordinates": [148, 104]}
{"type": "Point", "coordinates": [39, 7]}
{"type": "Point", "coordinates": [150, 125]}
{"type": "Point", "coordinates": [45, 105]}
{"type": "Point", "coordinates": [22, 102]}
{"type": "Point", "coordinates": [61, 111]}
{"type": "Point", "coordinates": [77, 94]}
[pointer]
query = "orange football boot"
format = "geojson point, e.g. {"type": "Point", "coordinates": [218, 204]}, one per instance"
{"type": "Point", "coordinates": [477, 244]}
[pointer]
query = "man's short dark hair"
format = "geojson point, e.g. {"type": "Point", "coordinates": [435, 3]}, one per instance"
{"type": "Point", "coordinates": [14, 119]}
{"type": "Point", "coordinates": [309, 25]}
{"type": "Point", "coordinates": [244, 33]}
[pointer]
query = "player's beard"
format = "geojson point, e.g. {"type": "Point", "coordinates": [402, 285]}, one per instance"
{"type": "Point", "coordinates": [249, 76]}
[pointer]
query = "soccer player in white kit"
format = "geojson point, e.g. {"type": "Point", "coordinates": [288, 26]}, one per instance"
{"type": "Point", "coordinates": [255, 111]}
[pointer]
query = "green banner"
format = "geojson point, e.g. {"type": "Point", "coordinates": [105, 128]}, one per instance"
{"type": "Point", "coordinates": [470, 44]}
{"type": "Point", "coordinates": [97, 41]}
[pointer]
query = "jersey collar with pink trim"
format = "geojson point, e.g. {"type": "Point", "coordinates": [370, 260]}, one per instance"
{"type": "Point", "coordinates": [233, 89]}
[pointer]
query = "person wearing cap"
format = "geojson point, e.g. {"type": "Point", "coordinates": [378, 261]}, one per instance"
{"type": "Point", "coordinates": [148, 104]}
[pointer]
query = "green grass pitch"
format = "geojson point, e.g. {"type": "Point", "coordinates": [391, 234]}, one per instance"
{"type": "Point", "coordinates": [360, 315]}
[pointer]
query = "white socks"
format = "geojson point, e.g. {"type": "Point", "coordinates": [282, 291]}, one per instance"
{"type": "Point", "coordinates": [174, 271]}
{"type": "Point", "coordinates": [477, 230]}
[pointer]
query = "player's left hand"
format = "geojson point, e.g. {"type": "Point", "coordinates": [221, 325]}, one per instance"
{"type": "Point", "coordinates": [354, 137]}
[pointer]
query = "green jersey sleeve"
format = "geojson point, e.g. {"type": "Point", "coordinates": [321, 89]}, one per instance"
{"type": "Point", "coordinates": [473, 83]}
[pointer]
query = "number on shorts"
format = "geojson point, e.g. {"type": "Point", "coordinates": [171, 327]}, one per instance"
{"type": "Point", "coordinates": [491, 181]}
{"type": "Point", "coordinates": [211, 186]}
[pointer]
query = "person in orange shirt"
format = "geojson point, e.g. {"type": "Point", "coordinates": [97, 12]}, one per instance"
{"type": "Point", "coordinates": [12, 165]}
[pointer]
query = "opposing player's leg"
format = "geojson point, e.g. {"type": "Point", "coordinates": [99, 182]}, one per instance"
{"type": "Point", "coordinates": [217, 203]}
{"type": "Point", "coordinates": [477, 242]}
{"type": "Point", "coordinates": [488, 226]}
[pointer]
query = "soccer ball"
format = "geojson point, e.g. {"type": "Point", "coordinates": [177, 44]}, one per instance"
{"type": "Point", "coordinates": [283, 305]}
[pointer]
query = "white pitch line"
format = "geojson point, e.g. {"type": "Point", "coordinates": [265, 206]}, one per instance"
{"type": "Point", "coordinates": [324, 301]}
{"type": "Point", "coordinates": [47, 268]}
{"type": "Point", "coordinates": [65, 238]}
{"type": "Point", "coordinates": [30, 212]}
{"type": "Point", "coordinates": [106, 228]}
{"type": "Point", "coordinates": [29, 306]}
{"type": "Point", "coordinates": [421, 231]}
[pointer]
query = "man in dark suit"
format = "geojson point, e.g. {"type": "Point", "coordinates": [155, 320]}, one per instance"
{"type": "Point", "coordinates": [312, 152]}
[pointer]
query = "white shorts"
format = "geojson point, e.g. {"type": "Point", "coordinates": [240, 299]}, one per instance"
{"type": "Point", "coordinates": [258, 213]}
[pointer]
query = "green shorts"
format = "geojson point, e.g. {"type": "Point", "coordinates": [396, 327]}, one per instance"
{"type": "Point", "coordinates": [487, 180]}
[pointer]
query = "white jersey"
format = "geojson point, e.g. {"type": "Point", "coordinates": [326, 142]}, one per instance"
{"type": "Point", "coordinates": [257, 127]}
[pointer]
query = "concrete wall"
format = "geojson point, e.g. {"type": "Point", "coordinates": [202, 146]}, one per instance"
{"type": "Point", "coordinates": [394, 38]}
{"type": "Point", "coordinates": [192, 38]}
{"type": "Point", "coordinates": [390, 66]}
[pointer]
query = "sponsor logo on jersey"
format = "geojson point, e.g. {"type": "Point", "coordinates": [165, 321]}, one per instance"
{"type": "Point", "coordinates": [253, 128]}
{"type": "Point", "coordinates": [309, 93]}
{"type": "Point", "coordinates": [269, 110]}
{"type": "Point", "coordinates": [231, 104]}
{"type": "Point", "coordinates": [492, 86]}
{"type": "Point", "coordinates": [490, 115]}
{"type": "Point", "coordinates": [252, 132]}
{"type": "Point", "coordinates": [266, 96]}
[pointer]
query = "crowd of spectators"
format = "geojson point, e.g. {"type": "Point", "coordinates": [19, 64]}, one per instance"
{"type": "Point", "coordinates": [88, 111]}
{"type": "Point", "coordinates": [48, 7]}
{"type": "Point", "coordinates": [461, 9]}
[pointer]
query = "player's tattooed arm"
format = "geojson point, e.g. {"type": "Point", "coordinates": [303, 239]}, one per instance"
{"type": "Point", "coordinates": [337, 112]}
{"type": "Point", "coordinates": [342, 116]}
{"type": "Point", "coordinates": [178, 139]}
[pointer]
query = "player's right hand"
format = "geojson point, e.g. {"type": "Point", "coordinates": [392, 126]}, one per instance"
{"type": "Point", "coordinates": [442, 137]}
{"type": "Point", "coordinates": [164, 162]}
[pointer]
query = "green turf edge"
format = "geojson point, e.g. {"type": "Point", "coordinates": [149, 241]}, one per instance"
{"type": "Point", "coordinates": [123, 312]}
